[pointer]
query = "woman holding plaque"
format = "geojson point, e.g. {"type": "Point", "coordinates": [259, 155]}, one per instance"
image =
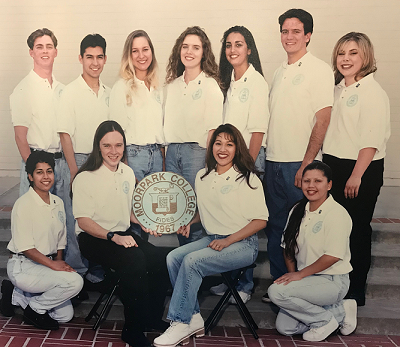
{"type": "Point", "coordinates": [193, 107]}
{"type": "Point", "coordinates": [102, 206]}
{"type": "Point", "coordinates": [355, 146]}
{"type": "Point", "coordinates": [231, 208]}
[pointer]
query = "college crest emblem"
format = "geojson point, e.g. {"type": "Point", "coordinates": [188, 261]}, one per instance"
{"type": "Point", "coordinates": [197, 94]}
{"type": "Point", "coordinates": [244, 95]}
{"type": "Point", "coordinates": [163, 202]}
{"type": "Point", "coordinates": [352, 100]}
{"type": "Point", "coordinates": [298, 79]}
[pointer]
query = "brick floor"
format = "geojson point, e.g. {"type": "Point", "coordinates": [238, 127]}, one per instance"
{"type": "Point", "coordinates": [78, 333]}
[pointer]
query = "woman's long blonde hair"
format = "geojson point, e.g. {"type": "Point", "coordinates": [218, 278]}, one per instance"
{"type": "Point", "coordinates": [127, 70]}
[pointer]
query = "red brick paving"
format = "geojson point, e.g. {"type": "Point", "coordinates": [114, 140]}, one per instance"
{"type": "Point", "coordinates": [78, 333]}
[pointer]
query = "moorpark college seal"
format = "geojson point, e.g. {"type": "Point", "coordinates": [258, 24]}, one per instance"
{"type": "Point", "coordinates": [163, 202]}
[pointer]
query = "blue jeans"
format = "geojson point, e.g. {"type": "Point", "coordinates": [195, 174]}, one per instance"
{"type": "Point", "coordinates": [144, 160]}
{"type": "Point", "coordinates": [309, 303]}
{"type": "Point", "coordinates": [61, 188]}
{"type": "Point", "coordinates": [260, 162]}
{"type": "Point", "coordinates": [186, 159]}
{"type": "Point", "coordinates": [280, 194]}
{"type": "Point", "coordinates": [188, 264]}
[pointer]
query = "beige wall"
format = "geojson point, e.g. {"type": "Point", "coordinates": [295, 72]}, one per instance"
{"type": "Point", "coordinates": [164, 20]}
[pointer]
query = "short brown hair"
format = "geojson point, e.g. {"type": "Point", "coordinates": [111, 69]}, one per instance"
{"type": "Point", "coordinates": [39, 33]}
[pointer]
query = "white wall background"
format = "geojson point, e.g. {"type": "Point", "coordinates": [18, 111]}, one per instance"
{"type": "Point", "coordinates": [164, 20]}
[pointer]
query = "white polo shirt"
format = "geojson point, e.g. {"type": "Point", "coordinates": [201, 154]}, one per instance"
{"type": "Point", "coordinates": [35, 224]}
{"type": "Point", "coordinates": [226, 205]}
{"type": "Point", "coordinates": [298, 91]}
{"type": "Point", "coordinates": [360, 119]}
{"type": "Point", "coordinates": [142, 120]}
{"type": "Point", "coordinates": [81, 111]}
{"type": "Point", "coordinates": [325, 231]}
{"type": "Point", "coordinates": [104, 196]}
{"type": "Point", "coordinates": [192, 110]}
{"type": "Point", "coordinates": [246, 104]}
{"type": "Point", "coordinates": [33, 105]}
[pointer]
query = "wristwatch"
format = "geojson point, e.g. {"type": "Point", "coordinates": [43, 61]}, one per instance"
{"type": "Point", "coordinates": [110, 235]}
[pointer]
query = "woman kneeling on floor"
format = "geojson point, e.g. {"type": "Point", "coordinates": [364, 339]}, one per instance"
{"type": "Point", "coordinates": [317, 256]}
{"type": "Point", "coordinates": [232, 209]}
{"type": "Point", "coordinates": [43, 282]}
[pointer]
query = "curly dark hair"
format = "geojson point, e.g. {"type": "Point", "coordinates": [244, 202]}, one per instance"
{"type": "Point", "coordinates": [175, 67]}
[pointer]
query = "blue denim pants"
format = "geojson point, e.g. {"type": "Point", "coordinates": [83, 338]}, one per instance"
{"type": "Point", "coordinates": [186, 159]}
{"type": "Point", "coordinates": [188, 264]}
{"type": "Point", "coordinates": [309, 303]}
{"type": "Point", "coordinates": [145, 160]}
{"type": "Point", "coordinates": [280, 195]}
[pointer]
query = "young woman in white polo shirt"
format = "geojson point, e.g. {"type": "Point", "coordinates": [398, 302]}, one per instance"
{"type": "Point", "coordinates": [102, 206]}
{"type": "Point", "coordinates": [355, 146]}
{"type": "Point", "coordinates": [193, 107]}
{"type": "Point", "coordinates": [317, 256]}
{"type": "Point", "coordinates": [245, 107]}
{"type": "Point", "coordinates": [136, 104]}
{"type": "Point", "coordinates": [231, 241]}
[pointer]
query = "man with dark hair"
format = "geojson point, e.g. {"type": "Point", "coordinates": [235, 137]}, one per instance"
{"type": "Point", "coordinates": [83, 106]}
{"type": "Point", "coordinates": [301, 99]}
{"type": "Point", "coordinates": [43, 282]}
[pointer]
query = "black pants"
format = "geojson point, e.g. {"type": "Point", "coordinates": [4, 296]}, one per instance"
{"type": "Point", "coordinates": [143, 272]}
{"type": "Point", "coordinates": [361, 210]}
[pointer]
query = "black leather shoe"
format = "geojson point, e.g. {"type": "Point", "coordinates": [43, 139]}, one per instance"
{"type": "Point", "coordinates": [6, 308]}
{"type": "Point", "coordinates": [134, 338]}
{"type": "Point", "coordinates": [40, 321]}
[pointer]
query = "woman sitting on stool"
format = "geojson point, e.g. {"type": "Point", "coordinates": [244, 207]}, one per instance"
{"type": "Point", "coordinates": [43, 282]}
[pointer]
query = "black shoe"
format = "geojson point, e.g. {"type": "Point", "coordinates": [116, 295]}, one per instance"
{"type": "Point", "coordinates": [6, 308]}
{"type": "Point", "coordinates": [134, 338]}
{"type": "Point", "coordinates": [41, 321]}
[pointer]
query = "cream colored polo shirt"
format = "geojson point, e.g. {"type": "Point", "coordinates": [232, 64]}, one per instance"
{"type": "Point", "coordinates": [360, 119]}
{"type": "Point", "coordinates": [227, 205]}
{"type": "Point", "coordinates": [35, 224]}
{"type": "Point", "coordinates": [192, 110]}
{"type": "Point", "coordinates": [33, 105]}
{"type": "Point", "coordinates": [246, 104]}
{"type": "Point", "coordinates": [298, 91]}
{"type": "Point", "coordinates": [104, 196]}
{"type": "Point", "coordinates": [325, 231]}
{"type": "Point", "coordinates": [142, 120]}
{"type": "Point", "coordinates": [81, 111]}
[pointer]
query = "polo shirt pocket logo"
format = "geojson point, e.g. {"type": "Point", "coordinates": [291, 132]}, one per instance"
{"type": "Point", "coordinates": [317, 227]}
{"type": "Point", "coordinates": [61, 217]}
{"type": "Point", "coordinates": [226, 189]}
{"type": "Point", "coordinates": [197, 94]}
{"type": "Point", "coordinates": [352, 100]}
{"type": "Point", "coordinates": [298, 79]}
{"type": "Point", "coordinates": [157, 97]}
{"type": "Point", "coordinates": [125, 187]}
{"type": "Point", "coordinates": [244, 95]}
{"type": "Point", "coordinates": [107, 101]}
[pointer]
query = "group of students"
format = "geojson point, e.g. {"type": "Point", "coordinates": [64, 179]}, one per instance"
{"type": "Point", "coordinates": [222, 131]}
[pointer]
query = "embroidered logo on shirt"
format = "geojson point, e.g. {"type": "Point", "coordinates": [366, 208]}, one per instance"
{"type": "Point", "coordinates": [157, 97]}
{"type": "Point", "coordinates": [107, 101]}
{"type": "Point", "coordinates": [197, 94]}
{"type": "Point", "coordinates": [226, 189]}
{"type": "Point", "coordinates": [125, 187]}
{"type": "Point", "coordinates": [244, 95]}
{"type": "Point", "coordinates": [298, 79]}
{"type": "Point", "coordinates": [61, 216]}
{"type": "Point", "coordinates": [352, 100]}
{"type": "Point", "coordinates": [317, 227]}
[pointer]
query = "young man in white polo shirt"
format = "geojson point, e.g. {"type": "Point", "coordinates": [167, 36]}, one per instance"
{"type": "Point", "coordinates": [83, 106]}
{"type": "Point", "coordinates": [301, 99]}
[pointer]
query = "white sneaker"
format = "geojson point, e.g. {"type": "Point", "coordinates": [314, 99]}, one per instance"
{"type": "Point", "coordinates": [219, 290]}
{"type": "Point", "coordinates": [180, 333]}
{"type": "Point", "coordinates": [321, 333]}
{"type": "Point", "coordinates": [350, 320]}
{"type": "Point", "coordinates": [245, 297]}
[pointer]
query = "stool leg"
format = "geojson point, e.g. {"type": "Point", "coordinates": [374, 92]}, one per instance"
{"type": "Point", "coordinates": [93, 311]}
{"type": "Point", "coordinates": [103, 311]}
{"type": "Point", "coordinates": [216, 311]}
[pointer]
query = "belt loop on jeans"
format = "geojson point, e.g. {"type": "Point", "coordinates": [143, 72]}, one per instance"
{"type": "Point", "coordinates": [56, 155]}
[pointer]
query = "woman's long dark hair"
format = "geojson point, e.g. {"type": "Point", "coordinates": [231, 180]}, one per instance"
{"type": "Point", "coordinates": [293, 226]}
{"type": "Point", "coordinates": [225, 67]}
{"type": "Point", "coordinates": [95, 160]}
{"type": "Point", "coordinates": [242, 160]}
